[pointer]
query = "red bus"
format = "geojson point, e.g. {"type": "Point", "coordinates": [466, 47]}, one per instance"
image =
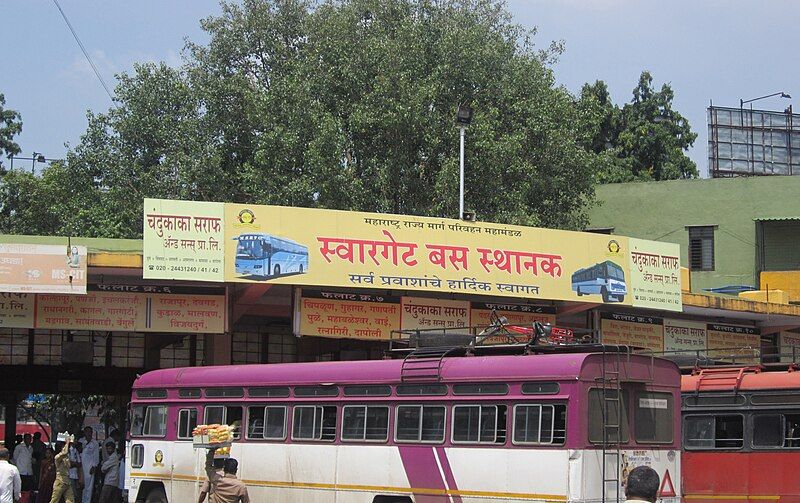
{"type": "Point", "coordinates": [741, 435]}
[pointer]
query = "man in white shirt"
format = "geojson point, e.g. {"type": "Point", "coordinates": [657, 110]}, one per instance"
{"type": "Point", "coordinates": [10, 482]}
{"type": "Point", "coordinates": [23, 459]}
{"type": "Point", "coordinates": [90, 459]}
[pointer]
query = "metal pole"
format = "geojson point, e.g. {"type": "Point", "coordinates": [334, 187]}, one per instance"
{"type": "Point", "coordinates": [461, 177]}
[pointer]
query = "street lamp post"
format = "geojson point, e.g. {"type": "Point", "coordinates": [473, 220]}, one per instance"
{"type": "Point", "coordinates": [463, 119]}
{"type": "Point", "coordinates": [36, 157]}
{"type": "Point", "coordinates": [781, 94]}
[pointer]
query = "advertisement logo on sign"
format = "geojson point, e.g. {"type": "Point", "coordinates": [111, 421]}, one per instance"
{"type": "Point", "coordinates": [247, 219]}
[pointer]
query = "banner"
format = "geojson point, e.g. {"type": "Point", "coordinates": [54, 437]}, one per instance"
{"type": "Point", "coordinates": [26, 268]}
{"type": "Point", "coordinates": [183, 240]}
{"type": "Point", "coordinates": [733, 341]}
{"type": "Point", "coordinates": [16, 310]}
{"type": "Point", "coordinates": [789, 347]}
{"type": "Point", "coordinates": [116, 311]}
{"type": "Point", "coordinates": [628, 330]}
{"type": "Point", "coordinates": [329, 248]}
{"type": "Point", "coordinates": [655, 274]}
{"type": "Point", "coordinates": [421, 313]}
{"type": "Point", "coordinates": [354, 316]}
{"type": "Point", "coordinates": [684, 336]}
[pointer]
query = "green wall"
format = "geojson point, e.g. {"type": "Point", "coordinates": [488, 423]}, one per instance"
{"type": "Point", "coordinates": [661, 210]}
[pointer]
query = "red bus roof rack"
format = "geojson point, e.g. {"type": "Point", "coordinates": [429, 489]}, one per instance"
{"type": "Point", "coordinates": [722, 378]}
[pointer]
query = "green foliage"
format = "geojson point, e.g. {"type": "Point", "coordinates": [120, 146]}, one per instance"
{"type": "Point", "coordinates": [64, 412]}
{"type": "Point", "coordinates": [10, 126]}
{"type": "Point", "coordinates": [344, 104]}
{"type": "Point", "coordinates": [646, 139]}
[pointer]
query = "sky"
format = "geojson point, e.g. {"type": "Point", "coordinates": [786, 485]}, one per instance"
{"type": "Point", "coordinates": [706, 49]}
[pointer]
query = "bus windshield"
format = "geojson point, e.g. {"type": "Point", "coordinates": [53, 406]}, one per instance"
{"type": "Point", "coordinates": [614, 271]}
{"type": "Point", "coordinates": [252, 248]}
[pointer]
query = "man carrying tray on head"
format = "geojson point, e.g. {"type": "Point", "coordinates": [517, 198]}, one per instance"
{"type": "Point", "coordinates": [222, 485]}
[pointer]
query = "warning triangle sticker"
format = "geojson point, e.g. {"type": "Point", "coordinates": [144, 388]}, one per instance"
{"type": "Point", "coordinates": [667, 489]}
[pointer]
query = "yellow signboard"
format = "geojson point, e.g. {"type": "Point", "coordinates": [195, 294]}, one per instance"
{"type": "Point", "coordinates": [183, 240]}
{"type": "Point", "coordinates": [421, 314]}
{"type": "Point", "coordinates": [347, 315]}
{"type": "Point", "coordinates": [328, 248]}
{"type": "Point", "coordinates": [655, 274]}
{"type": "Point", "coordinates": [120, 311]}
{"type": "Point", "coordinates": [16, 310]}
{"type": "Point", "coordinates": [734, 343]}
{"type": "Point", "coordinates": [628, 330]}
{"type": "Point", "coordinates": [684, 336]}
{"type": "Point", "coordinates": [26, 268]}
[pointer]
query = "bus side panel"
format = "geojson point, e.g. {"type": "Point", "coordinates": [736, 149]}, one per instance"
{"type": "Point", "coordinates": [380, 467]}
{"type": "Point", "coordinates": [289, 472]}
{"type": "Point", "coordinates": [764, 475]}
{"type": "Point", "coordinates": [589, 463]}
{"type": "Point", "coordinates": [157, 467]}
{"type": "Point", "coordinates": [519, 474]}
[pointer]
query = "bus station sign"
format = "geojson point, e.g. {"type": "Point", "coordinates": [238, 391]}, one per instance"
{"type": "Point", "coordinates": [342, 249]}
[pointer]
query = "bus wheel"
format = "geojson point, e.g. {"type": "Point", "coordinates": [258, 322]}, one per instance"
{"type": "Point", "coordinates": [301, 268]}
{"type": "Point", "coordinates": [620, 298]}
{"type": "Point", "coordinates": [156, 496]}
{"type": "Point", "coordinates": [276, 271]}
{"type": "Point", "coordinates": [604, 293]}
{"type": "Point", "coordinates": [578, 291]}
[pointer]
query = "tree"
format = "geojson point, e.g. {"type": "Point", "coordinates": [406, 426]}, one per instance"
{"type": "Point", "coordinates": [10, 126]}
{"type": "Point", "coordinates": [65, 412]}
{"type": "Point", "coordinates": [646, 139]}
{"type": "Point", "coordinates": [344, 104]}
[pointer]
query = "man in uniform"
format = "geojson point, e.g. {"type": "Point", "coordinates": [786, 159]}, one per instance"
{"type": "Point", "coordinates": [223, 487]}
{"type": "Point", "coordinates": [63, 486]}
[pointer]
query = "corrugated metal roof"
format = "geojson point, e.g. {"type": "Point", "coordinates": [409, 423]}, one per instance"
{"type": "Point", "coordinates": [776, 219]}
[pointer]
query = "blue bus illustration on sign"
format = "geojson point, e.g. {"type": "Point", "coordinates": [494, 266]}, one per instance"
{"type": "Point", "coordinates": [269, 256]}
{"type": "Point", "coordinates": [606, 279]}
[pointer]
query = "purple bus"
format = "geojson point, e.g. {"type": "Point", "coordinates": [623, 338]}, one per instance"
{"type": "Point", "coordinates": [555, 427]}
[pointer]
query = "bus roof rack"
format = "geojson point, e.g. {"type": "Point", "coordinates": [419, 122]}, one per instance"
{"type": "Point", "coordinates": [500, 337]}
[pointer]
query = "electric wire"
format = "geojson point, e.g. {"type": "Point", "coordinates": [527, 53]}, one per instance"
{"type": "Point", "coordinates": [83, 49]}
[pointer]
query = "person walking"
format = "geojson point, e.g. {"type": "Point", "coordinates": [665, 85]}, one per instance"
{"type": "Point", "coordinates": [90, 459]}
{"type": "Point", "coordinates": [47, 476]}
{"type": "Point", "coordinates": [642, 485]}
{"type": "Point", "coordinates": [10, 482]}
{"type": "Point", "coordinates": [23, 459]}
{"type": "Point", "coordinates": [110, 470]}
{"type": "Point", "coordinates": [62, 485]}
{"type": "Point", "coordinates": [223, 487]}
{"type": "Point", "coordinates": [75, 468]}
{"type": "Point", "coordinates": [38, 456]}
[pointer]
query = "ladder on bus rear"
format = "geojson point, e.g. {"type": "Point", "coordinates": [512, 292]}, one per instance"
{"type": "Point", "coordinates": [425, 363]}
{"type": "Point", "coordinates": [613, 413]}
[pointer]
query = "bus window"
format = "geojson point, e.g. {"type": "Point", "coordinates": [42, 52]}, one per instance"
{"type": "Point", "coordinates": [187, 420]}
{"type": "Point", "coordinates": [314, 422]}
{"type": "Point", "coordinates": [266, 422]}
{"type": "Point", "coordinates": [615, 416]}
{"type": "Point", "coordinates": [189, 393]}
{"type": "Point", "coordinates": [420, 423]}
{"type": "Point", "coordinates": [230, 392]}
{"type": "Point", "coordinates": [421, 390]}
{"type": "Point", "coordinates": [225, 414]}
{"type": "Point", "coordinates": [368, 390]}
{"type": "Point", "coordinates": [477, 424]}
{"type": "Point", "coordinates": [310, 391]}
{"type": "Point", "coordinates": [271, 392]}
{"type": "Point", "coordinates": [540, 424]}
{"type": "Point", "coordinates": [768, 430]}
{"type": "Point", "coordinates": [481, 389]}
{"type": "Point", "coordinates": [149, 421]}
{"type": "Point", "coordinates": [776, 430]}
{"type": "Point", "coordinates": [653, 420]}
{"type": "Point", "coordinates": [365, 423]}
{"type": "Point", "coordinates": [714, 432]}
